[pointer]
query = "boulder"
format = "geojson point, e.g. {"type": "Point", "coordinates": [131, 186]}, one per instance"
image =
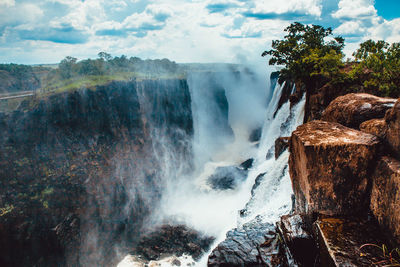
{"type": "Point", "coordinates": [287, 90]}
{"type": "Point", "coordinates": [352, 109]}
{"type": "Point", "coordinates": [330, 165]}
{"type": "Point", "coordinates": [255, 135]}
{"type": "Point", "coordinates": [253, 244]}
{"type": "Point", "coordinates": [227, 177]}
{"type": "Point", "coordinates": [385, 196]}
{"type": "Point", "coordinates": [376, 127]}
{"type": "Point", "coordinates": [281, 144]}
{"type": "Point", "coordinates": [298, 240]}
{"type": "Point", "coordinates": [392, 119]}
{"type": "Point", "coordinates": [172, 240]}
{"type": "Point", "coordinates": [348, 242]}
{"type": "Point", "coordinates": [69, 236]}
{"type": "Point", "coordinates": [246, 165]}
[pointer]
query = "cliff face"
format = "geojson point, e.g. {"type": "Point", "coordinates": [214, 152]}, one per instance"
{"type": "Point", "coordinates": [72, 161]}
{"type": "Point", "coordinates": [21, 78]}
{"type": "Point", "coordinates": [348, 174]}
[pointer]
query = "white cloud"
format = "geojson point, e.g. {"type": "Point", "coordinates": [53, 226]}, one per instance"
{"type": "Point", "coordinates": [182, 30]}
{"type": "Point", "coordinates": [388, 31]}
{"type": "Point", "coordinates": [361, 22]}
{"type": "Point", "coordinates": [351, 28]}
{"type": "Point", "coordinates": [306, 7]}
{"type": "Point", "coordinates": [7, 3]}
{"type": "Point", "coordinates": [355, 9]}
{"type": "Point", "coordinates": [20, 14]}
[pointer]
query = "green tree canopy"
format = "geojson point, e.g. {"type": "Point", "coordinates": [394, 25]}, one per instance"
{"type": "Point", "coordinates": [378, 67]}
{"type": "Point", "coordinates": [66, 67]}
{"type": "Point", "coordinates": [306, 53]}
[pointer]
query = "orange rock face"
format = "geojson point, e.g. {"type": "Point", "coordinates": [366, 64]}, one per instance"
{"type": "Point", "coordinates": [352, 109]}
{"type": "Point", "coordinates": [385, 196]}
{"type": "Point", "coordinates": [376, 127]}
{"type": "Point", "coordinates": [392, 119]}
{"type": "Point", "coordinates": [329, 166]}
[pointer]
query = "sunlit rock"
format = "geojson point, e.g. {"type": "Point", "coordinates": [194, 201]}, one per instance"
{"type": "Point", "coordinates": [330, 165]}
{"type": "Point", "coordinates": [352, 109]}
{"type": "Point", "coordinates": [385, 196]}
{"type": "Point", "coordinates": [392, 119]}
{"type": "Point", "coordinates": [376, 127]}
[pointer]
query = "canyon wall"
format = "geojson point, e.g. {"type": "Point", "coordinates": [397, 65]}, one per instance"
{"type": "Point", "coordinates": [81, 170]}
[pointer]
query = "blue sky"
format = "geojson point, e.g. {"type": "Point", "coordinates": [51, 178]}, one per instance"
{"type": "Point", "coordinates": [45, 31]}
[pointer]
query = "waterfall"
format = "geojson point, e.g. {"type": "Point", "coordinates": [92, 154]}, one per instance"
{"type": "Point", "coordinates": [216, 142]}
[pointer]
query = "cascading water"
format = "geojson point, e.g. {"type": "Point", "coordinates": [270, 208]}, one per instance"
{"type": "Point", "coordinates": [188, 197]}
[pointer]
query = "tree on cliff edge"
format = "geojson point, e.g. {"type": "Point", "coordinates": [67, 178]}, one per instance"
{"type": "Point", "coordinates": [378, 67]}
{"type": "Point", "coordinates": [306, 55]}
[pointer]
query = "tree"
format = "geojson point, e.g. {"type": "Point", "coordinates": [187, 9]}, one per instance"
{"type": "Point", "coordinates": [67, 67]}
{"type": "Point", "coordinates": [105, 56]}
{"type": "Point", "coordinates": [305, 54]}
{"type": "Point", "coordinates": [91, 67]}
{"type": "Point", "coordinates": [378, 67]}
{"type": "Point", "coordinates": [369, 48]}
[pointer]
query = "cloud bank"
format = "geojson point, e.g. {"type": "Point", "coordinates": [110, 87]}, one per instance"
{"type": "Point", "coordinates": [185, 31]}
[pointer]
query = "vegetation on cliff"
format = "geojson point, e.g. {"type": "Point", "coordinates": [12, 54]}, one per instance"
{"type": "Point", "coordinates": [72, 74]}
{"type": "Point", "coordinates": [306, 54]}
{"type": "Point", "coordinates": [312, 57]}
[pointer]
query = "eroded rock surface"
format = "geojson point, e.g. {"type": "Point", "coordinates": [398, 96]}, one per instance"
{"type": "Point", "coordinates": [352, 109]}
{"type": "Point", "coordinates": [392, 119]}
{"type": "Point", "coordinates": [281, 144]}
{"type": "Point", "coordinates": [254, 244]}
{"type": "Point", "coordinates": [298, 240]}
{"type": "Point", "coordinates": [385, 196]}
{"type": "Point", "coordinates": [255, 135]}
{"type": "Point", "coordinates": [376, 127]}
{"type": "Point", "coordinates": [342, 242]}
{"type": "Point", "coordinates": [227, 177]}
{"type": "Point", "coordinates": [329, 166]}
{"type": "Point", "coordinates": [172, 240]}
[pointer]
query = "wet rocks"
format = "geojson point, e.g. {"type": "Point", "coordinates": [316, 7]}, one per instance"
{"type": "Point", "coordinates": [172, 240]}
{"type": "Point", "coordinates": [287, 90]}
{"type": "Point", "coordinates": [352, 109]}
{"type": "Point", "coordinates": [68, 234]}
{"type": "Point", "coordinates": [246, 165]}
{"type": "Point", "coordinates": [298, 240]}
{"type": "Point", "coordinates": [254, 244]}
{"type": "Point", "coordinates": [227, 177]}
{"type": "Point", "coordinates": [343, 242]}
{"type": "Point", "coordinates": [329, 166]}
{"type": "Point", "coordinates": [281, 144]}
{"type": "Point", "coordinates": [385, 196]}
{"type": "Point", "coordinates": [255, 135]}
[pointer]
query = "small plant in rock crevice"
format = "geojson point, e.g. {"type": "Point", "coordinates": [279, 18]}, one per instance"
{"type": "Point", "coordinates": [389, 259]}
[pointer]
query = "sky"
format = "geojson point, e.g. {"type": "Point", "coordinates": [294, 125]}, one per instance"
{"type": "Point", "coordinates": [238, 31]}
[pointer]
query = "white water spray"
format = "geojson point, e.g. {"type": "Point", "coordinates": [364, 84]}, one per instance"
{"type": "Point", "coordinates": [189, 200]}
